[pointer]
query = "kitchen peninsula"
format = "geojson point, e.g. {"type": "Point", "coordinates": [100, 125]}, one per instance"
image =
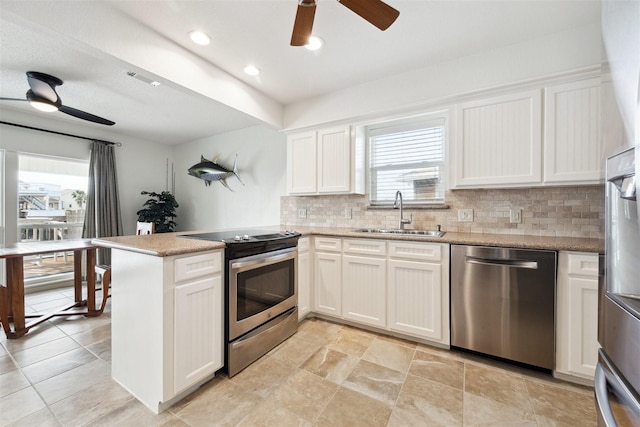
{"type": "Point", "coordinates": [167, 309]}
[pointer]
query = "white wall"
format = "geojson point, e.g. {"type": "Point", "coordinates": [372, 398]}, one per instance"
{"type": "Point", "coordinates": [141, 164]}
{"type": "Point", "coordinates": [568, 50]}
{"type": "Point", "coordinates": [261, 165]}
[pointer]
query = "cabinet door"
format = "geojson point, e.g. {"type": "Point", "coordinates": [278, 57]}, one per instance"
{"type": "Point", "coordinates": [577, 335]}
{"type": "Point", "coordinates": [198, 323]}
{"type": "Point", "coordinates": [573, 151]}
{"type": "Point", "coordinates": [334, 160]}
{"type": "Point", "coordinates": [499, 141]}
{"type": "Point", "coordinates": [302, 163]}
{"type": "Point", "coordinates": [415, 299]}
{"type": "Point", "coordinates": [304, 284]}
{"type": "Point", "coordinates": [364, 289]}
{"type": "Point", "coordinates": [327, 285]}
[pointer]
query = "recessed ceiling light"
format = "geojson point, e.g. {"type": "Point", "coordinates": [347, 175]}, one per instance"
{"type": "Point", "coordinates": [200, 38]}
{"type": "Point", "coordinates": [251, 70]}
{"type": "Point", "coordinates": [314, 43]}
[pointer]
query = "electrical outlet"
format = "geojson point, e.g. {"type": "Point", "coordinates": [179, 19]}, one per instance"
{"type": "Point", "coordinates": [515, 216]}
{"type": "Point", "coordinates": [347, 213]}
{"type": "Point", "coordinates": [302, 213]}
{"type": "Point", "coordinates": [465, 215]}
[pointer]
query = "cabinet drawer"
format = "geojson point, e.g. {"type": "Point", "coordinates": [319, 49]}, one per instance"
{"type": "Point", "coordinates": [583, 264]}
{"type": "Point", "coordinates": [327, 244]}
{"type": "Point", "coordinates": [191, 267]}
{"type": "Point", "coordinates": [416, 251]}
{"type": "Point", "coordinates": [365, 247]}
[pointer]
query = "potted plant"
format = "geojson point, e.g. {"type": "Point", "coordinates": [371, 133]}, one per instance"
{"type": "Point", "coordinates": [160, 209]}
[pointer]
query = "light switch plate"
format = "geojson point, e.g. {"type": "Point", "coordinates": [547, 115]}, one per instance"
{"type": "Point", "coordinates": [347, 213]}
{"type": "Point", "coordinates": [302, 213]}
{"type": "Point", "coordinates": [465, 215]}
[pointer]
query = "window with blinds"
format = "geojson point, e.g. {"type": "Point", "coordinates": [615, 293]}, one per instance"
{"type": "Point", "coordinates": [407, 155]}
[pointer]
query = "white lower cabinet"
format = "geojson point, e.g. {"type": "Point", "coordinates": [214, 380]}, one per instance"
{"type": "Point", "coordinates": [167, 324]}
{"type": "Point", "coordinates": [577, 314]}
{"type": "Point", "coordinates": [304, 278]}
{"type": "Point", "coordinates": [418, 290]}
{"type": "Point", "coordinates": [397, 286]}
{"type": "Point", "coordinates": [327, 274]}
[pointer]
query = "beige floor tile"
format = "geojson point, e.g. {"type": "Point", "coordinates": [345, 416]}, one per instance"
{"type": "Point", "coordinates": [36, 336]}
{"type": "Point", "coordinates": [479, 411]}
{"type": "Point", "coordinates": [46, 306]}
{"type": "Point", "coordinates": [560, 404]}
{"type": "Point", "coordinates": [133, 413]}
{"type": "Point", "coordinates": [396, 340]}
{"type": "Point", "coordinates": [19, 405]}
{"type": "Point", "coordinates": [317, 330]}
{"type": "Point", "coordinates": [376, 381]}
{"type": "Point", "coordinates": [99, 333]}
{"type": "Point", "coordinates": [73, 325]}
{"type": "Point", "coordinates": [50, 367]}
{"type": "Point", "coordinates": [426, 401]}
{"type": "Point", "coordinates": [101, 349]}
{"type": "Point", "coordinates": [503, 387]}
{"type": "Point", "coordinates": [7, 364]}
{"type": "Point", "coordinates": [351, 409]}
{"type": "Point", "coordinates": [41, 418]}
{"type": "Point", "coordinates": [304, 395]}
{"type": "Point", "coordinates": [3, 351]}
{"type": "Point", "coordinates": [44, 351]}
{"type": "Point", "coordinates": [268, 414]}
{"type": "Point", "coordinates": [437, 368]}
{"type": "Point", "coordinates": [220, 401]}
{"type": "Point", "coordinates": [12, 382]}
{"type": "Point", "coordinates": [264, 375]}
{"type": "Point", "coordinates": [67, 384]}
{"type": "Point", "coordinates": [351, 341]}
{"type": "Point", "coordinates": [295, 350]}
{"type": "Point", "coordinates": [332, 365]}
{"type": "Point", "coordinates": [389, 354]}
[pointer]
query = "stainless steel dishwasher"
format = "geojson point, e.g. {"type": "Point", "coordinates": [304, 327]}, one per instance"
{"type": "Point", "coordinates": [503, 303]}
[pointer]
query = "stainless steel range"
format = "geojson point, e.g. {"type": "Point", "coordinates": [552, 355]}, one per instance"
{"type": "Point", "coordinates": [261, 292]}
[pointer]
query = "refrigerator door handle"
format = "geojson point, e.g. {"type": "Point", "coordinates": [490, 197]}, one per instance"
{"type": "Point", "coordinates": [605, 376]}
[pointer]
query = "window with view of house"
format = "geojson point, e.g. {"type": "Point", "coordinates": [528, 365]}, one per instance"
{"type": "Point", "coordinates": [407, 155]}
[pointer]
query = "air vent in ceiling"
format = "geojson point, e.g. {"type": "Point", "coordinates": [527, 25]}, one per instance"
{"type": "Point", "coordinates": [143, 78]}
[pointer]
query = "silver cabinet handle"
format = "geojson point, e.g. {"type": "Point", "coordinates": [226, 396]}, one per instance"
{"type": "Point", "coordinates": [533, 265]}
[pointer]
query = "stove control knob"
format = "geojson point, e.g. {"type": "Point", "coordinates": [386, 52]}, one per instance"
{"type": "Point", "coordinates": [237, 238]}
{"type": "Point", "coordinates": [246, 237]}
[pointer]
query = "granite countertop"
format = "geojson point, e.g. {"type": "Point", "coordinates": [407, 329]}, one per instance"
{"type": "Point", "coordinates": [169, 244]}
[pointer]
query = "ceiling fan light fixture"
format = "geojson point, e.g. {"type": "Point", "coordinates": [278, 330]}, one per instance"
{"type": "Point", "coordinates": [198, 37]}
{"type": "Point", "coordinates": [314, 43]}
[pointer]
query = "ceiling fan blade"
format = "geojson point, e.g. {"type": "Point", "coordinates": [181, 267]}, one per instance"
{"type": "Point", "coordinates": [376, 12]}
{"type": "Point", "coordinates": [12, 99]}
{"type": "Point", "coordinates": [43, 85]}
{"type": "Point", "coordinates": [85, 116]}
{"type": "Point", "coordinates": [303, 24]}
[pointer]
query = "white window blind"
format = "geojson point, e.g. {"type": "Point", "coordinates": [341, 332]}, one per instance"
{"type": "Point", "coordinates": [407, 155]}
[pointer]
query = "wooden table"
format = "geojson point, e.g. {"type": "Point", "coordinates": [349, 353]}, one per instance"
{"type": "Point", "coordinates": [12, 295]}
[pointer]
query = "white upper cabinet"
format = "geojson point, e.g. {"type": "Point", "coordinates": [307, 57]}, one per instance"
{"type": "Point", "coordinates": [324, 162]}
{"type": "Point", "coordinates": [302, 163]}
{"type": "Point", "coordinates": [573, 152]}
{"type": "Point", "coordinates": [499, 141]}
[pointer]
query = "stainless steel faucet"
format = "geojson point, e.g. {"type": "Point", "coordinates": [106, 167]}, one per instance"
{"type": "Point", "coordinates": [403, 220]}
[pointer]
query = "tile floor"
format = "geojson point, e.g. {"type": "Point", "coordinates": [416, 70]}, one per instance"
{"type": "Point", "coordinates": [325, 375]}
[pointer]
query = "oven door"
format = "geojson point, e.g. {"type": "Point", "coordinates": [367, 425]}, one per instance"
{"type": "Point", "coordinates": [260, 288]}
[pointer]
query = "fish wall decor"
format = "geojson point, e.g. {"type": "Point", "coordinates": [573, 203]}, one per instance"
{"type": "Point", "coordinates": [210, 170]}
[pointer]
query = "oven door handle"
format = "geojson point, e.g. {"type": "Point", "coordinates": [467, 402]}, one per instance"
{"type": "Point", "coordinates": [261, 260]}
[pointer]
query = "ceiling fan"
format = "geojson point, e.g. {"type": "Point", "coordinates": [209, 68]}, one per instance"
{"type": "Point", "coordinates": [43, 96]}
{"type": "Point", "coordinates": [376, 12]}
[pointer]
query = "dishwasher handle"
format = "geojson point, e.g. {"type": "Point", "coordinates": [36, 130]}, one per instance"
{"type": "Point", "coordinates": [515, 263]}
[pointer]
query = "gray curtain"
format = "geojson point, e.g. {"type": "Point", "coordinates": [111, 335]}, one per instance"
{"type": "Point", "coordinates": [102, 218]}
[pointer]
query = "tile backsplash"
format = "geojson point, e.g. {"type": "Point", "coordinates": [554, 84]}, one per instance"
{"type": "Point", "coordinates": [550, 211]}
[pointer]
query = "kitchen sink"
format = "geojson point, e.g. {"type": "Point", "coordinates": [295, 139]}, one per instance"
{"type": "Point", "coordinates": [426, 233]}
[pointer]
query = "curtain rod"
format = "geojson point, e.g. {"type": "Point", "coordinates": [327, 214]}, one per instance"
{"type": "Point", "coordinates": [117, 144]}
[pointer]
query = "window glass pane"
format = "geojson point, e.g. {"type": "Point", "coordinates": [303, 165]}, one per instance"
{"type": "Point", "coordinates": [51, 200]}
{"type": "Point", "coordinates": [407, 156]}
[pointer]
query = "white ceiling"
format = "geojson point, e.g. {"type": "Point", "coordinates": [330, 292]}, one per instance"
{"type": "Point", "coordinates": [92, 44]}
